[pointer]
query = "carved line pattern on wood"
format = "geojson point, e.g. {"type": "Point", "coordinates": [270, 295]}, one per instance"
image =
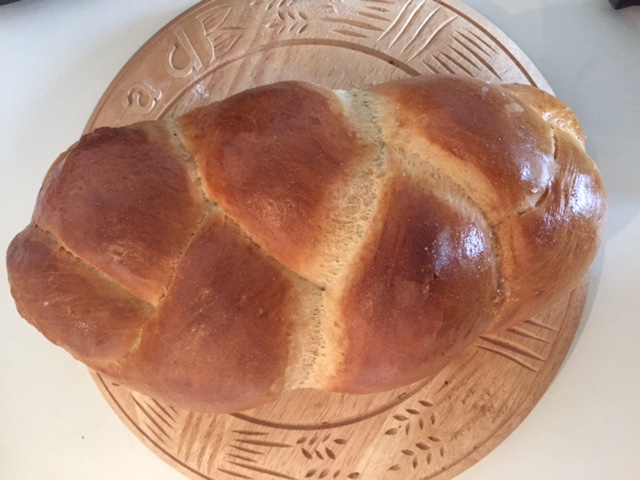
{"type": "Point", "coordinates": [234, 474]}
{"type": "Point", "coordinates": [340, 423]}
{"type": "Point", "coordinates": [421, 29]}
{"type": "Point", "coordinates": [245, 452]}
{"type": "Point", "coordinates": [265, 471]}
{"type": "Point", "coordinates": [527, 334]}
{"type": "Point", "coordinates": [403, 16]}
{"type": "Point", "coordinates": [150, 421]}
{"type": "Point", "coordinates": [490, 37]}
{"type": "Point", "coordinates": [472, 47]}
{"type": "Point", "coordinates": [513, 350]}
{"type": "Point", "coordinates": [511, 346]}
{"type": "Point", "coordinates": [510, 356]}
{"type": "Point", "coordinates": [110, 389]}
{"type": "Point", "coordinates": [539, 324]}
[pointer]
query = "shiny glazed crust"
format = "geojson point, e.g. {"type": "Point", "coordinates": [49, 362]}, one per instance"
{"type": "Point", "coordinates": [292, 236]}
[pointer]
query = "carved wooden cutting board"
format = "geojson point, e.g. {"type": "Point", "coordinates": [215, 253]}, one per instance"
{"type": "Point", "coordinates": [432, 429]}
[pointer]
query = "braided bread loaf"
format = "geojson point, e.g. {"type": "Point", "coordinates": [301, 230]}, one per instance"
{"type": "Point", "coordinates": [292, 236]}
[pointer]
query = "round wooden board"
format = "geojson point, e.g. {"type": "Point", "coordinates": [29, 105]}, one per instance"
{"type": "Point", "coordinates": [433, 429]}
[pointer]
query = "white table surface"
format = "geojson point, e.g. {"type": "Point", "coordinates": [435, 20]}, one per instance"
{"type": "Point", "coordinates": [56, 60]}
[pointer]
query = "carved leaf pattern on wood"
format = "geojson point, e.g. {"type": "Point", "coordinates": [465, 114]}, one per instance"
{"type": "Point", "coordinates": [287, 20]}
{"type": "Point", "coordinates": [223, 37]}
{"type": "Point", "coordinates": [325, 448]}
{"type": "Point", "coordinates": [421, 451]}
{"type": "Point", "coordinates": [320, 450]}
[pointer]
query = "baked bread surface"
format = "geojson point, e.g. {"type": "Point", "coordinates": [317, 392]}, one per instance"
{"type": "Point", "coordinates": [292, 236]}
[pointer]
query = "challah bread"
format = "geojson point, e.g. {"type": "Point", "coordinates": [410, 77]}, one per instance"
{"type": "Point", "coordinates": [292, 236]}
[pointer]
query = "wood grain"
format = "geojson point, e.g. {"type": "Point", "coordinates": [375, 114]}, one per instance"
{"type": "Point", "coordinates": [433, 429]}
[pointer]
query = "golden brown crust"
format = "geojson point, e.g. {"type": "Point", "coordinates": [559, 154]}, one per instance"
{"type": "Point", "coordinates": [292, 237]}
{"type": "Point", "coordinates": [559, 239]}
{"type": "Point", "coordinates": [269, 156]}
{"type": "Point", "coordinates": [549, 108]}
{"type": "Point", "coordinates": [509, 149]}
{"type": "Point", "coordinates": [220, 336]}
{"type": "Point", "coordinates": [479, 124]}
{"type": "Point", "coordinates": [419, 280]}
{"type": "Point", "coordinates": [70, 302]}
{"type": "Point", "coordinates": [122, 200]}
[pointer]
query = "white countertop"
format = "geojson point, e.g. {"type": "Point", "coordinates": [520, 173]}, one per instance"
{"type": "Point", "coordinates": [56, 60]}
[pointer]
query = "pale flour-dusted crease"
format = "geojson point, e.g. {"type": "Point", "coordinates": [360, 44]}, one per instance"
{"type": "Point", "coordinates": [350, 226]}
